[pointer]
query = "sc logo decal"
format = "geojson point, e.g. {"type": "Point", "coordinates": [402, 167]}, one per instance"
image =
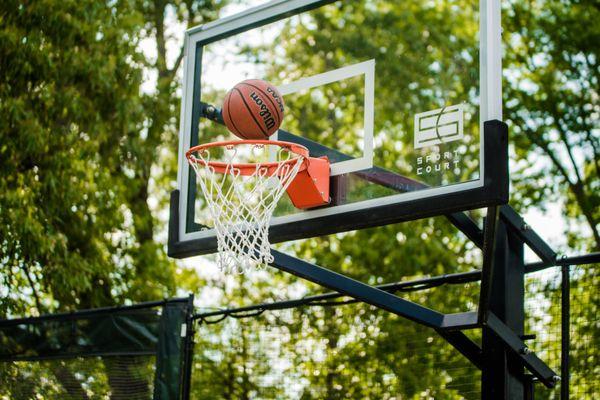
{"type": "Point", "coordinates": [439, 126]}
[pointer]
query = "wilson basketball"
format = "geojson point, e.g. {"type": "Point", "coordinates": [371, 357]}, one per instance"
{"type": "Point", "coordinates": [253, 109]}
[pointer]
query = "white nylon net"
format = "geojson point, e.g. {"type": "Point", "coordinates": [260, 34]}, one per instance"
{"type": "Point", "coordinates": [241, 206]}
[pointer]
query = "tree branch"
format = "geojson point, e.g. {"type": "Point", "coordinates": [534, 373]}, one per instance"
{"type": "Point", "coordinates": [191, 20]}
{"type": "Point", "coordinates": [563, 137]}
{"type": "Point", "coordinates": [177, 63]}
{"type": "Point", "coordinates": [596, 158]}
{"type": "Point", "coordinates": [535, 138]}
{"type": "Point", "coordinates": [575, 188]}
{"type": "Point", "coordinates": [161, 48]}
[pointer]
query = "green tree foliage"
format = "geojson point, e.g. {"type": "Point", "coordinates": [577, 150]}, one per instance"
{"type": "Point", "coordinates": [82, 144]}
{"type": "Point", "coordinates": [81, 134]}
{"type": "Point", "coordinates": [551, 100]}
{"type": "Point", "coordinates": [70, 96]}
{"type": "Point", "coordinates": [151, 152]}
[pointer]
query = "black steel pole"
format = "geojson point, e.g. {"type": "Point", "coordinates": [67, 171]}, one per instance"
{"type": "Point", "coordinates": [188, 349]}
{"type": "Point", "coordinates": [565, 330]}
{"type": "Point", "coordinates": [529, 387]}
{"type": "Point", "coordinates": [503, 373]}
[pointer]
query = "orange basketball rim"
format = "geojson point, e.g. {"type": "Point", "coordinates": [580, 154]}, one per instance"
{"type": "Point", "coordinates": [308, 189]}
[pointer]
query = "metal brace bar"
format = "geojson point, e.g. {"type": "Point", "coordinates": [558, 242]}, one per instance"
{"type": "Point", "coordinates": [591, 258]}
{"type": "Point", "coordinates": [387, 301]}
{"type": "Point", "coordinates": [536, 366]}
{"type": "Point", "coordinates": [464, 345]}
{"type": "Point", "coordinates": [527, 235]}
{"type": "Point", "coordinates": [464, 320]}
{"type": "Point", "coordinates": [358, 290]}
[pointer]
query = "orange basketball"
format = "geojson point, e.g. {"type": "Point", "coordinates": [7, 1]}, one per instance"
{"type": "Point", "coordinates": [253, 109]}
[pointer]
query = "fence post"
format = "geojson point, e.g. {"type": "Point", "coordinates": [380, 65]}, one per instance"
{"type": "Point", "coordinates": [565, 331]}
{"type": "Point", "coordinates": [188, 348]}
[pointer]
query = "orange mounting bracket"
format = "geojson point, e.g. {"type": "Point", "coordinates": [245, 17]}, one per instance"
{"type": "Point", "coordinates": [310, 188]}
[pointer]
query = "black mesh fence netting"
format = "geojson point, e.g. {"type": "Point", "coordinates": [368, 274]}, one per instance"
{"type": "Point", "coordinates": [114, 377]}
{"type": "Point", "coordinates": [544, 319]}
{"type": "Point", "coordinates": [354, 351]}
{"type": "Point", "coordinates": [349, 352]}
{"type": "Point", "coordinates": [330, 350]}
{"type": "Point", "coordinates": [333, 351]}
{"type": "Point", "coordinates": [126, 353]}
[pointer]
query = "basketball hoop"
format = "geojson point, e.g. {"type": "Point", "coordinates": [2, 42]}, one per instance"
{"type": "Point", "coordinates": [241, 196]}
